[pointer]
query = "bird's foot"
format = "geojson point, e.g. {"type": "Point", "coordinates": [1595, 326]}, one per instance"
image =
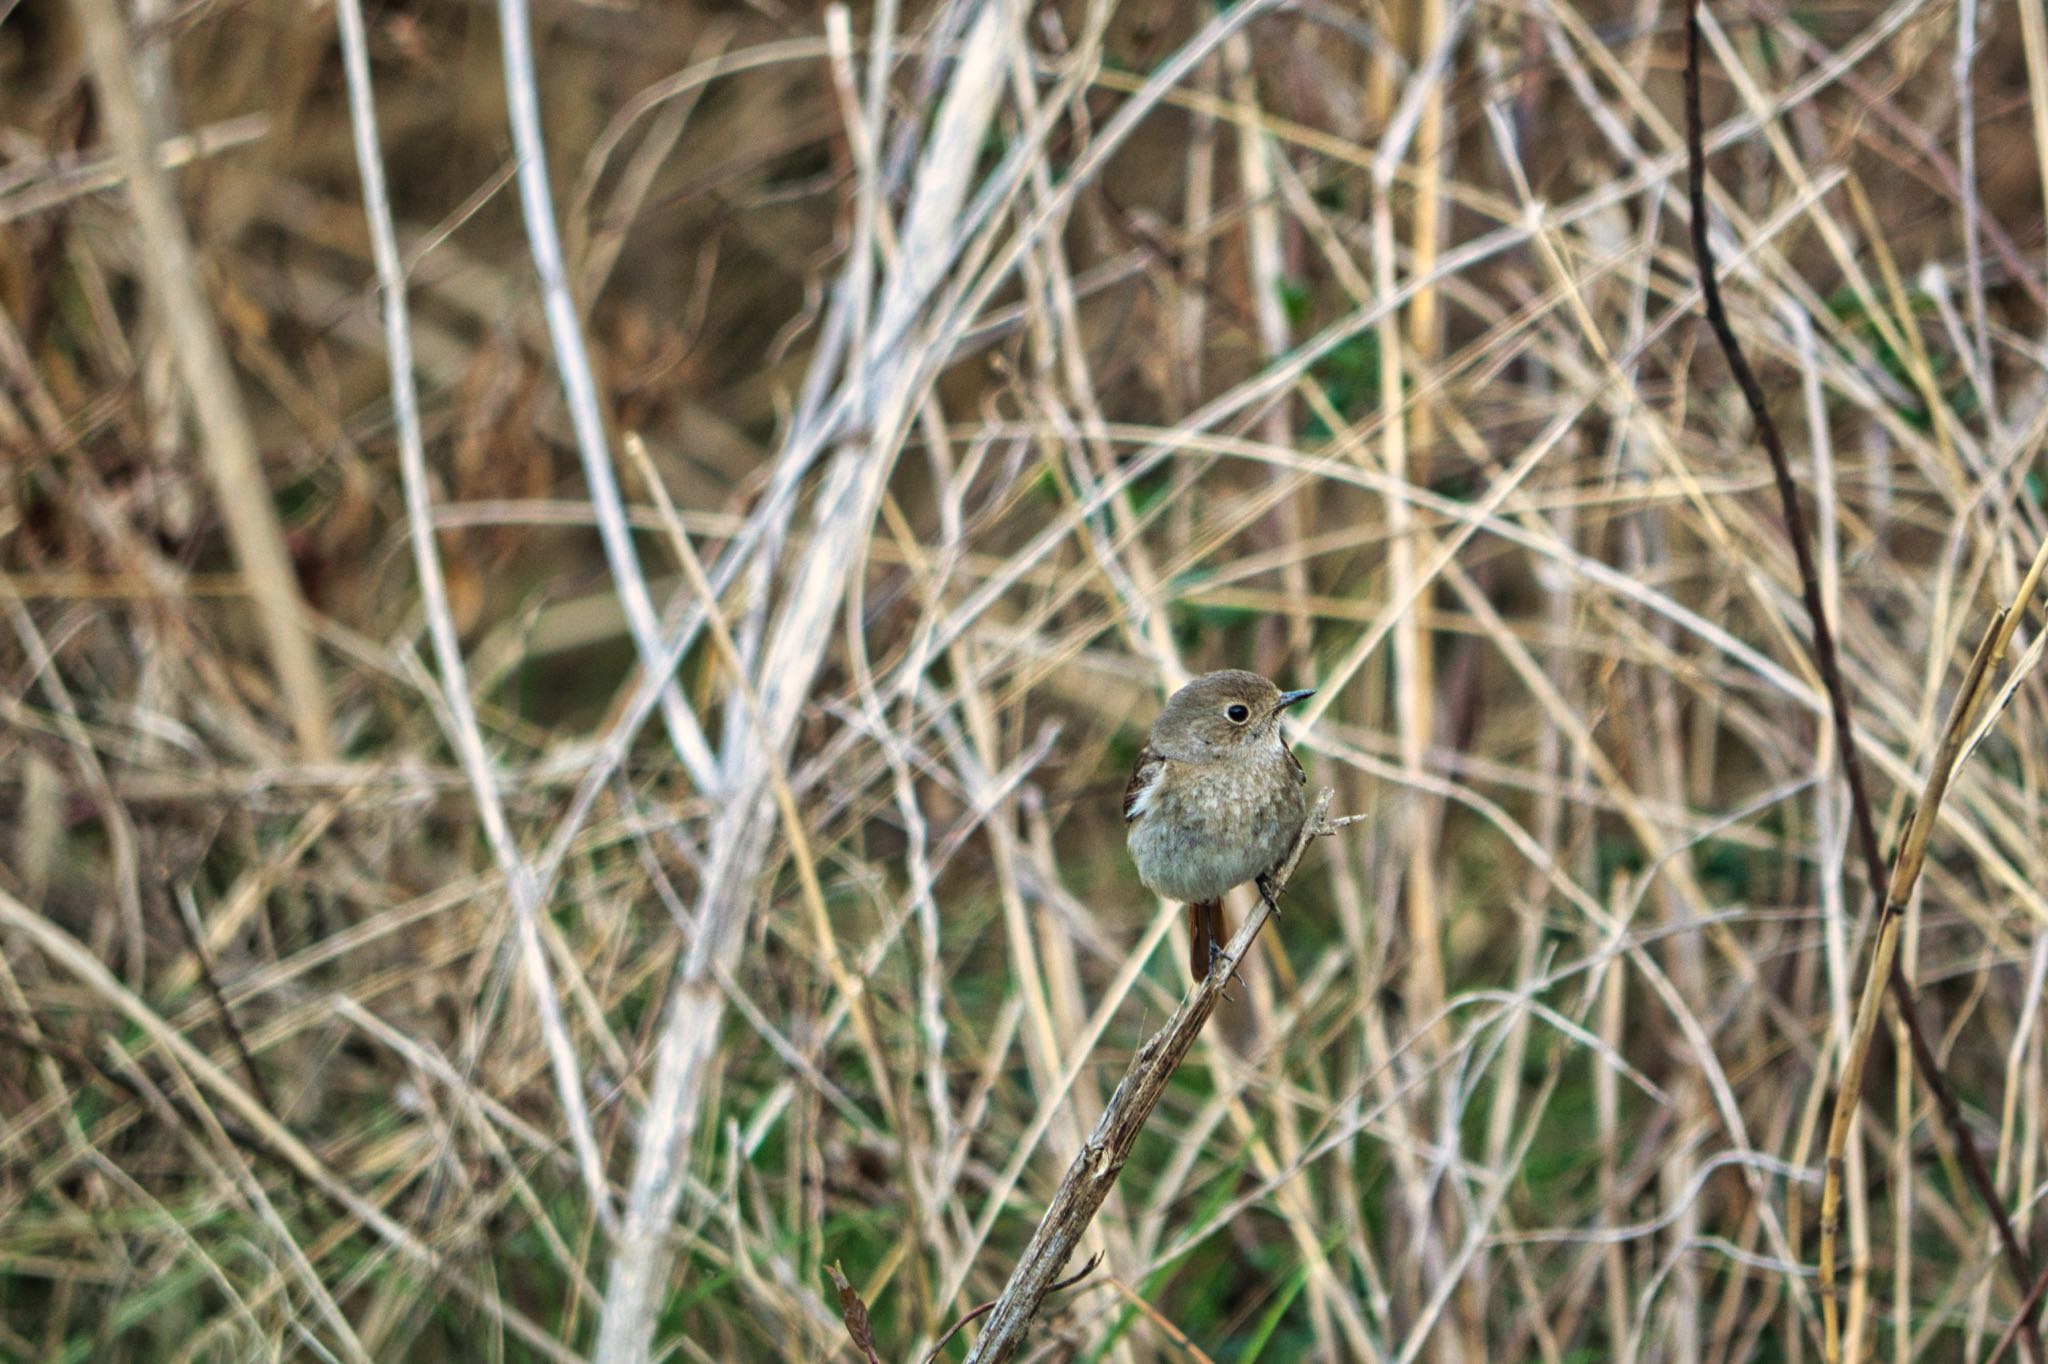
{"type": "Point", "coordinates": [1267, 893]}
{"type": "Point", "coordinates": [1216, 954]}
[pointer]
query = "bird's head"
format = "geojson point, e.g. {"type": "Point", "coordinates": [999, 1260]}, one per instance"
{"type": "Point", "coordinates": [1221, 714]}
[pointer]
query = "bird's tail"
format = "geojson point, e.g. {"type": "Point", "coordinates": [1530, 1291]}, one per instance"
{"type": "Point", "coordinates": [1206, 935]}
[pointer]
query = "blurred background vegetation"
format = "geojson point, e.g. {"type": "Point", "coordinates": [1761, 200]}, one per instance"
{"type": "Point", "coordinates": [1359, 348]}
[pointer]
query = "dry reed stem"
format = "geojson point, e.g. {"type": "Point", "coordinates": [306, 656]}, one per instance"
{"type": "Point", "coordinates": [26, 191]}
{"type": "Point", "coordinates": [850, 987]}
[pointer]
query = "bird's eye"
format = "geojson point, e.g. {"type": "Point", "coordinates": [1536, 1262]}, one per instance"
{"type": "Point", "coordinates": [1238, 714]}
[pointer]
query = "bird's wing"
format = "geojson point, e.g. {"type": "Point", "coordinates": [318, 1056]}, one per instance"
{"type": "Point", "coordinates": [1138, 790]}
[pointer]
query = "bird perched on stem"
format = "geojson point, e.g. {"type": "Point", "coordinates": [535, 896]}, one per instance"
{"type": "Point", "coordinates": [1216, 799]}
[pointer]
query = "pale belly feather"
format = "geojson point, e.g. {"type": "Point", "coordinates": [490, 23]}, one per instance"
{"type": "Point", "coordinates": [1206, 829]}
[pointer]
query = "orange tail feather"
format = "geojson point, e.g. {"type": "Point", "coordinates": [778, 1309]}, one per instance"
{"type": "Point", "coordinates": [1206, 935]}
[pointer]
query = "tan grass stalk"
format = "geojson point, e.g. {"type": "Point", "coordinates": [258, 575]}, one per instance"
{"type": "Point", "coordinates": [120, 828]}
{"type": "Point", "coordinates": [2034, 42]}
{"type": "Point", "coordinates": [1905, 877]}
{"type": "Point", "coordinates": [227, 441]}
{"type": "Point", "coordinates": [67, 180]}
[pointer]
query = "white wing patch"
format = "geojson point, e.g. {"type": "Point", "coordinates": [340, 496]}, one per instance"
{"type": "Point", "coordinates": [1142, 801]}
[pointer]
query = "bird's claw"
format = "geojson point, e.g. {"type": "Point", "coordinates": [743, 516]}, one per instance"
{"type": "Point", "coordinates": [1216, 954]}
{"type": "Point", "coordinates": [1266, 893]}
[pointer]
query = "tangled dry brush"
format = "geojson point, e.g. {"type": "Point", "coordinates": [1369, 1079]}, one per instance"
{"type": "Point", "coordinates": [579, 588]}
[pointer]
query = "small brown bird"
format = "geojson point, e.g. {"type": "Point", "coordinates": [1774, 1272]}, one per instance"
{"type": "Point", "coordinates": [1216, 799]}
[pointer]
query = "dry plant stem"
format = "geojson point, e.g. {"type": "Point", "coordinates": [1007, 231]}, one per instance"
{"type": "Point", "coordinates": [1883, 961]}
{"type": "Point", "coordinates": [1905, 876]}
{"type": "Point", "coordinates": [67, 178]}
{"type": "Point", "coordinates": [878, 381]}
{"type": "Point", "coordinates": [1095, 1169]}
{"type": "Point", "coordinates": [978, 1313]}
{"type": "Point", "coordinates": [225, 436]}
{"type": "Point", "coordinates": [121, 840]}
{"type": "Point", "coordinates": [579, 388]}
{"type": "Point", "coordinates": [464, 734]}
{"type": "Point", "coordinates": [1781, 467]}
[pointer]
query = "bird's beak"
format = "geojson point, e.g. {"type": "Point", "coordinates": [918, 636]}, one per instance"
{"type": "Point", "coordinates": [1292, 698]}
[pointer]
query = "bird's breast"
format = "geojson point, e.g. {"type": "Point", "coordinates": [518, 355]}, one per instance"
{"type": "Point", "coordinates": [1207, 827]}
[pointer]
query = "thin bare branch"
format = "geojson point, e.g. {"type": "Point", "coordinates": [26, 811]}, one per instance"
{"type": "Point", "coordinates": [1101, 1159]}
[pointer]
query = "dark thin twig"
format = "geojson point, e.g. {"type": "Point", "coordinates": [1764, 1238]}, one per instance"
{"type": "Point", "coordinates": [1824, 655]}
{"type": "Point", "coordinates": [2022, 1320]}
{"type": "Point", "coordinates": [194, 940]}
{"type": "Point", "coordinates": [1827, 661]}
